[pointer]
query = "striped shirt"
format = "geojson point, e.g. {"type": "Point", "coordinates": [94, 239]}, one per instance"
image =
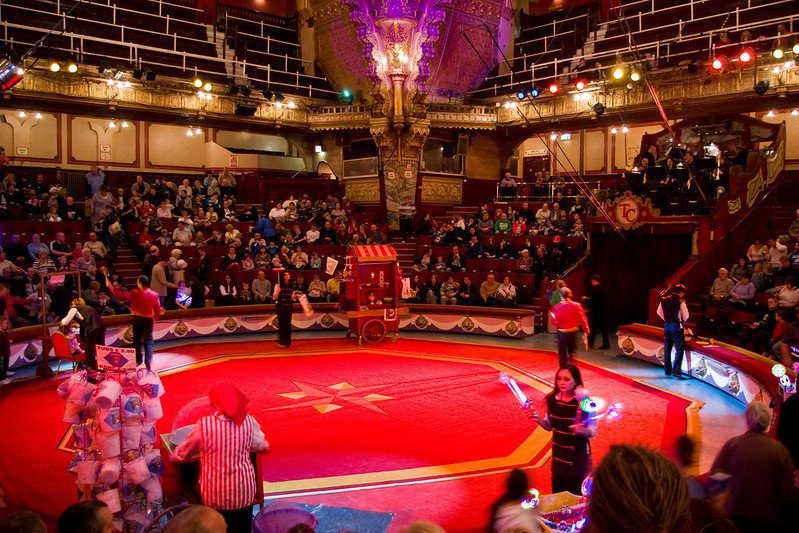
{"type": "Point", "coordinates": [227, 476]}
{"type": "Point", "coordinates": [570, 452]}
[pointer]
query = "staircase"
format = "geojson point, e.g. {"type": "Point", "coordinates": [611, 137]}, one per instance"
{"type": "Point", "coordinates": [406, 252]}
{"type": "Point", "coordinates": [223, 52]}
{"type": "Point", "coordinates": [127, 265]}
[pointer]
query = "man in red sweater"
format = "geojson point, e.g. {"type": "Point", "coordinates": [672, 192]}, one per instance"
{"type": "Point", "coordinates": [569, 316]}
{"type": "Point", "coordinates": [145, 307]}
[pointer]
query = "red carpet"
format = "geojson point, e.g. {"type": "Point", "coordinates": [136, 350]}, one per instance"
{"type": "Point", "coordinates": [420, 429]}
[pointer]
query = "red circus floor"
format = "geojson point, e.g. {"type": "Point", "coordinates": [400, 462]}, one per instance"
{"type": "Point", "coordinates": [422, 429]}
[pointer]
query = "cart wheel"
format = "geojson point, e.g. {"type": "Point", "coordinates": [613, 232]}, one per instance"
{"type": "Point", "coordinates": [373, 330]}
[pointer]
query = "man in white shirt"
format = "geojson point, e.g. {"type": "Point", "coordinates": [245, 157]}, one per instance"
{"type": "Point", "coordinates": [182, 236]}
{"type": "Point", "coordinates": [543, 214]}
{"type": "Point", "coordinates": [312, 235]}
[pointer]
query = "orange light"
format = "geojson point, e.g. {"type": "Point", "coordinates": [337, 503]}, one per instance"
{"type": "Point", "coordinates": [579, 85]}
{"type": "Point", "coordinates": [553, 87]}
{"type": "Point", "coordinates": [746, 55]}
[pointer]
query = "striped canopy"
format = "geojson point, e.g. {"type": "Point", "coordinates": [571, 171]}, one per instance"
{"type": "Point", "coordinates": [374, 252]}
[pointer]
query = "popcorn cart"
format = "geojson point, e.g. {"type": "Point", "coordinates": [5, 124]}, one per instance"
{"type": "Point", "coordinates": [372, 284]}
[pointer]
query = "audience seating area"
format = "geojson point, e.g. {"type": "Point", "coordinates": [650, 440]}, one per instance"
{"type": "Point", "coordinates": [170, 39]}
{"type": "Point", "coordinates": [666, 34]}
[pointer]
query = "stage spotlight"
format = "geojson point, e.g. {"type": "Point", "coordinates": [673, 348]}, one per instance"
{"type": "Point", "coordinates": [579, 85]}
{"type": "Point", "coordinates": [795, 49]}
{"type": "Point", "coordinates": [207, 87]}
{"type": "Point", "coordinates": [197, 82]}
{"type": "Point", "coordinates": [149, 75]}
{"type": "Point", "coordinates": [521, 94]}
{"type": "Point", "coordinates": [553, 87]}
{"type": "Point", "coordinates": [10, 72]}
{"type": "Point", "coordinates": [614, 130]}
{"type": "Point", "coordinates": [762, 87]}
{"type": "Point", "coordinates": [747, 55]}
{"type": "Point", "coordinates": [599, 109]}
{"type": "Point", "coordinates": [625, 129]}
{"type": "Point", "coordinates": [346, 95]}
{"type": "Point", "coordinates": [233, 89]}
{"type": "Point", "coordinates": [245, 91]}
{"type": "Point", "coordinates": [618, 73]}
{"type": "Point", "coordinates": [719, 63]}
{"type": "Point", "coordinates": [137, 73]}
{"type": "Point", "coordinates": [777, 53]}
{"type": "Point", "coordinates": [54, 66]}
{"type": "Point", "coordinates": [72, 67]}
{"type": "Point", "coordinates": [534, 92]}
{"type": "Point", "coordinates": [635, 75]}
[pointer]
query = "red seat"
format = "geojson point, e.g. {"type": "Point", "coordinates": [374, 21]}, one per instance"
{"type": "Point", "coordinates": [62, 352]}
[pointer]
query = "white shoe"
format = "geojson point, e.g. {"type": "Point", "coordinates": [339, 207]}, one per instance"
{"type": "Point", "coordinates": [5, 381]}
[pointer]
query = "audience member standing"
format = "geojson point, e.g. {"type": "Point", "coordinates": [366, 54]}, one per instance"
{"type": "Point", "coordinates": [94, 180]}
{"type": "Point", "coordinates": [597, 301]}
{"type": "Point", "coordinates": [761, 488]}
{"type": "Point", "coordinates": [568, 317]}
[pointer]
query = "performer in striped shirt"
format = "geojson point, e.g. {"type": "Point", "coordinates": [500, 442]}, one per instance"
{"type": "Point", "coordinates": [571, 429]}
{"type": "Point", "coordinates": [224, 442]}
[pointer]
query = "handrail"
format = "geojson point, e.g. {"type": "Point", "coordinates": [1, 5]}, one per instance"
{"type": "Point", "coordinates": [267, 38]}
{"type": "Point", "coordinates": [645, 47]}
{"type": "Point", "coordinates": [135, 47]}
{"type": "Point", "coordinates": [553, 34]}
{"type": "Point", "coordinates": [657, 44]}
{"type": "Point", "coordinates": [262, 23]}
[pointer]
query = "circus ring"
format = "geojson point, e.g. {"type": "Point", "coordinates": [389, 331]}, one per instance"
{"type": "Point", "coordinates": [417, 428]}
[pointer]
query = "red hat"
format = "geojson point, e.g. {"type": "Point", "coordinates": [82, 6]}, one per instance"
{"type": "Point", "coordinates": [230, 401]}
{"type": "Point", "coordinates": [557, 238]}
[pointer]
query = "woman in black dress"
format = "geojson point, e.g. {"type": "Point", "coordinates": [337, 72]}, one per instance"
{"type": "Point", "coordinates": [284, 299]}
{"type": "Point", "coordinates": [571, 429]}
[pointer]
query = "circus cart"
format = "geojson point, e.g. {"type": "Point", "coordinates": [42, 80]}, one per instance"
{"type": "Point", "coordinates": [372, 285]}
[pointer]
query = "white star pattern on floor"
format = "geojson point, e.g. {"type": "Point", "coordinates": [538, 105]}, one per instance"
{"type": "Point", "coordinates": [325, 401]}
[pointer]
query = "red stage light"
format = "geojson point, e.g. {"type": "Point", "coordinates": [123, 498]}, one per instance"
{"type": "Point", "coordinates": [553, 87]}
{"type": "Point", "coordinates": [746, 55]}
{"type": "Point", "coordinates": [579, 85]}
{"type": "Point", "coordinates": [719, 63]}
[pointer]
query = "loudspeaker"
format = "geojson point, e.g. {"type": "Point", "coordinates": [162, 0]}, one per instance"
{"type": "Point", "coordinates": [246, 110]}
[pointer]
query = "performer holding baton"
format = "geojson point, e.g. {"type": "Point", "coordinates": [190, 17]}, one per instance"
{"type": "Point", "coordinates": [571, 429]}
{"type": "Point", "coordinates": [284, 297]}
{"type": "Point", "coordinates": [674, 312]}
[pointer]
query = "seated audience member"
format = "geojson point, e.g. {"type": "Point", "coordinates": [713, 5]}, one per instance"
{"type": "Point", "coordinates": [776, 251]}
{"type": "Point", "coordinates": [299, 259]}
{"type": "Point", "coordinates": [440, 265]}
{"type": "Point", "coordinates": [757, 252]}
{"type": "Point", "coordinates": [507, 513]}
{"type": "Point", "coordinates": [231, 260]}
{"type": "Point", "coordinates": [785, 339]}
{"type": "Point", "coordinates": [686, 457]}
{"type": "Point", "coordinates": [758, 333]}
{"type": "Point", "coordinates": [787, 294]}
{"type": "Point", "coordinates": [759, 277]}
{"type": "Point", "coordinates": [43, 264]}
{"type": "Point", "coordinates": [449, 292]}
{"type": "Point", "coordinates": [18, 252]}
{"type": "Point", "coordinates": [793, 258]}
{"type": "Point", "coordinates": [525, 263]}
{"type": "Point", "coordinates": [95, 246]}
{"type": "Point", "coordinates": [196, 519]}
{"type": "Point", "coordinates": [507, 185]}
{"type": "Point", "coordinates": [246, 296]}
{"type": "Point", "coordinates": [183, 234]}
{"type": "Point", "coordinates": [721, 288]}
{"type": "Point", "coordinates": [467, 292]}
{"type": "Point", "coordinates": [90, 516]}
{"type": "Point", "coordinates": [740, 268]}
{"type": "Point", "coordinates": [262, 288]}
{"type": "Point", "coordinates": [36, 246]}
{"type": "Point", "coordinates": [783, 271]}
{"type": "Point", "coordinates": [506, 293]}
{"type": "Point", "coordinates": [317, 290]}
{"type": "Point", "coordinates": [636, 489]}
{"type": "Point", "coordinates": [228, 293]}
{"type": "Point", "coordinates": [59, 247]}
{"type": "Point", "coordinates": [86, 261]}
{"type": "Point", "coordinates": [743, 293]}
{"type": "Point", "coordinates": [543, 214]}
{"type": "Point", "coordinates": [456, 262]}
{"type": "Point", "coordinates": [27, 522]}
{"type": "Point", "coordinates": [373, 236]}
{"type": "Point", "coordinates": [334, 287]}
{"type": "Point", "coordinates": [502, 225]}
{"type": "Point", "coordinates": [488, 290]}
{"type": "Point", "coordinates": [761, 490]}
